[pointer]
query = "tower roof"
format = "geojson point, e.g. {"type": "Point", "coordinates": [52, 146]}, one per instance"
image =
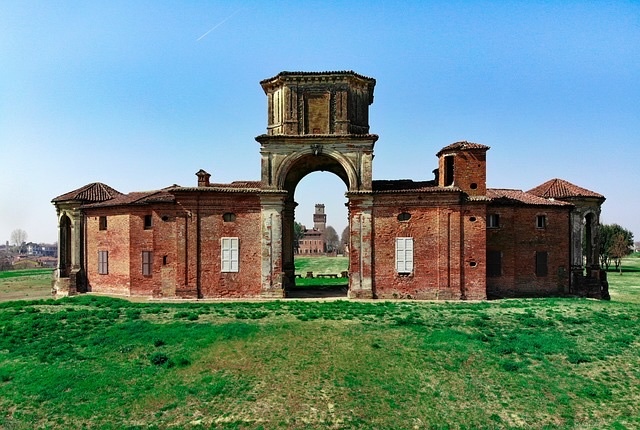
{"type": "Point", "coordinates": [93, 192]}
{"type": "Point", "coordinates": [561, 189]}
{"type": "Point", "coordinates": [462, 146]}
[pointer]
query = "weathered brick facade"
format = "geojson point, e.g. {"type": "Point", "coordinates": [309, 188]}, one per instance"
{"type": "Point", "coordinates": [450, 238]}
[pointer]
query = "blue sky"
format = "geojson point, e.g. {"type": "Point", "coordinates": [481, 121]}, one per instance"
{"type": "Point", "coordinates": [137, 94]}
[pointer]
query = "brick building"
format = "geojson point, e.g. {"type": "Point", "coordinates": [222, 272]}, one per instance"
{"type": "Point", "coordinates": [313, 239]}
{"type": "Point", "coordinates": [447, 238]}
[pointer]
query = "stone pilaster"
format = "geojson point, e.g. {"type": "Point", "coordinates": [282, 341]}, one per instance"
{"type": "Point", "coordinates": [361, 248]}
{"type": "Point", "coordinates": [272, 272]}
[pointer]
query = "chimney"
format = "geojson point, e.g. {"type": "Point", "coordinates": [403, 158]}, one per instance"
{"type": "Point", "coordinates": [203, 178]}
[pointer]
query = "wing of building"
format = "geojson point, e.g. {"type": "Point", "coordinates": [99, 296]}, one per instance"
{"type": "Point", "coordinates": [446, 238]}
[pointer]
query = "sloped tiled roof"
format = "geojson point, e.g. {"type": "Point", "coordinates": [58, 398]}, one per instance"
{"type": "Point", "coordinates": [509, 196]}
{"type": "Point", "coordinates": [233, 187]}
{"type": "Point", "coordinates": [136, 198]}
{"type": "Point", "coordinates": [404, 185]}
{"type": "Point", "coordinates": [559, 189]}
{"type": "Point", "coordinates": [94, 192]}
{"type": "Point", "coordinates": [462, 146]}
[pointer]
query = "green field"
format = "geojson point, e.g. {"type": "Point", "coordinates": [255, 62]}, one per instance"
{"type": "Point", "coordinates": [25, 284]}
{"type": "Point", "coordinates": [321, 265]}
{"type": "Point", "coordinates": [99, 362]}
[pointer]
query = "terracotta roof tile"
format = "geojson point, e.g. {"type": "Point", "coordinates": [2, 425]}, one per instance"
{"type": "Point", "coordinates": [233, 187]}
{"type": "Point", "coordinates": [94, 192]}
{"type": "Point", "coordinates": [508, 196]}
{"type": "Point", "coordinates": [136, 198]}
{"type": "Point", "coordinates": [462, 146]}
{"type": "Point", "coordinates": [560, 189]}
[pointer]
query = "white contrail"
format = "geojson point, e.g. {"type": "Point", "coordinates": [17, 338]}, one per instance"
{"type": "Point", "coordinates": [219, 24]}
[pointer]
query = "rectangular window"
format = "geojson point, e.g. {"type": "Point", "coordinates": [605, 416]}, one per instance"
{"type": "Point", "coordinates": [147, 259]}
{"type": "Point", "coordinates": [494, 263]}
{"type": "Point", "coordinates": [448, 170]}
{"type": "Point", "coordinates": [541, 263]}
{"type": "Point", "coordinates": [102, 223]}
{"type": "Point", "coordinates": [404, 254]}
{"type": "Point", "coordinates": [148, 222]}
{"type": "Point", "coordinates": [541, 221]}
{"type": "Point", "coordinates": [493, 221]}
{"type": "Point", "coordinates": [229, 252]}
{"type": "Point", "coordinates": [103, 262]}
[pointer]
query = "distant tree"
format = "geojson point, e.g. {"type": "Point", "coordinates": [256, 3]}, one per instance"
{"type": "Point", "coordinates": [615, 243]}
{"type": "Point", "coordinates": [344, 238]}
{"type": "Point", "coordinates": [619, 248]}
{"type": "Point", "coordinates": [298, 233]}
{"type": "Point", "coordinates": [5, 260]}
{"type": "Point", "coordinates": [331, 239]}
{"type": "Point", "coordinates": [18, 238]}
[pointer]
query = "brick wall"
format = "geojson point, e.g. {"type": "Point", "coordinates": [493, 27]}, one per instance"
{"type": "Point", "coordinates": [518, 239]}
{"type": "Point", "coordinates": [115, 240]}
{"type": "Point", "coordinates": [199, 234]}
{"type": "Point", "coordinates": [448, 254]}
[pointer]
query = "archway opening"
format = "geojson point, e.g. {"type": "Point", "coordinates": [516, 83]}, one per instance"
{"type": "Point", "coordinates": [64, 264]}
{"type": "Point", "coordinates": [316, 216]}
{"type": "Point", "coordinates": [588, 245]}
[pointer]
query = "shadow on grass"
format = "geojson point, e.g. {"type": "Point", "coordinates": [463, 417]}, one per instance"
{"type": "Point", "coordinates": [317, 291]}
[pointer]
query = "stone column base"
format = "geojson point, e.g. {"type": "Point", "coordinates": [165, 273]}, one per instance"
{"type": "Point", "coordinates": [360, 294]}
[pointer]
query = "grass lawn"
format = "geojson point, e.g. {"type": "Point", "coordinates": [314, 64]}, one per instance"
{"type": "Point", "coordinates": [321, 265]}
{"type": "Point", "coordinates": [626, 286]}
{"type": "Point", "coordinates": [28, 284]}
{"type": "Point", "coordinates": [99, 362]}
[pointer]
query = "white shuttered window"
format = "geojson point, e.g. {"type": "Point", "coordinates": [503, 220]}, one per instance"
{"type": "Point", "coordinates": [404, 254]}
{"type": "Point", "coordinates": [229, 254]}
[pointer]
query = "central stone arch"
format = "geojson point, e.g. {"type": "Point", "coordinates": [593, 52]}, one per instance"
{"type": "Point", "coordinates": [317, 122]}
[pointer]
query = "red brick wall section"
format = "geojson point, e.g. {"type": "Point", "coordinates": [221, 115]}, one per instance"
{"type": "Point", "coordinates": [115, 240]}
{"type": "Point", "coordinates": [474, 255]}
{"type": "Point", "coordinates": [204, 276]}
{"type": "Point", "coordinates": [470, 168]}
{"type": "Point", "coordinates": [469, 173]}
{"type": "Point", "coordinates": [160, 240]}
{"type": "Point", "coordinates": [518, 239]}
{"type": "Point", "coordinates": [445, 243]}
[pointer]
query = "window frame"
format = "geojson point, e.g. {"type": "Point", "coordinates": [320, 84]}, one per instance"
{"type": "Point", "coordinates": [493, 220]}
{"type": "Point", "coordinates": [542, 264]}
{"type": "Point", "coordinates": [148, 222]}
{"type": "Point", "coordinates": [541, 221]}
{"type": "Point", "coordinates": [494, 265]}
{"type": "Point", "coordinates": [449, 170]}
{"type": "Point", "coordinates": [102, 222]}
{"type": "Point", "coordinates": [404, 255]}
{"type": "Point", "coordinates": [147, 263]}
{"type": "Point", "coordinates": [103, 262]}
{"type": "Point", "coordinates": [229, 254]}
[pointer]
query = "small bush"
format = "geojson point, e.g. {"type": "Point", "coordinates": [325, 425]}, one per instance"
{"type": "Point", "coordinates": [159, 358]}
{"type": "Point", "coordinates": [513, 366]}
{"type": "Point", "coordinates": [182, 362]}
{"type": "Point", "coordinates": [5, 376]}
{"type": "Point", "coordinates": [575, 357]}
{"type": "Point", "coordinates": [133, 314]}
